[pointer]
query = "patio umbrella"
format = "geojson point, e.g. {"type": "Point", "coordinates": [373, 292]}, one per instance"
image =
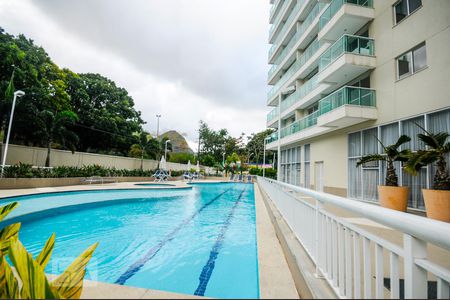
{"type": "Point", "coordinates": [189, 165]}
{"type": "Point", "coordinates": [198, 167]}
{"type": "Point", "coordinates": [162, 164]}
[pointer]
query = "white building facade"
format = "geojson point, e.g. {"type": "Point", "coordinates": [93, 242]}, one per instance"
{"type": "Point", "coordinates": [348, 72]}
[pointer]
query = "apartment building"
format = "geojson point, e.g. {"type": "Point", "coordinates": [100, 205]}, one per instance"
{"type": "Point", "coordinates": [348, 72]}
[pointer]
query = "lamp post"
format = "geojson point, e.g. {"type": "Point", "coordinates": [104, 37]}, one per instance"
{"type": "Point", "coordinates": [223, 155]}
{"type": "Point", "coordinates": [165, 150]}
{"type": "Point", "coordinates": [16, 94]}
{"type": "Point", "coordinates": [264, 157]}
{"type": "Point", "coordinates": [157, 126]}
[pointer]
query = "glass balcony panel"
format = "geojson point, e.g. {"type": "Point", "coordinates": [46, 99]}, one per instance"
{"type": "Point", "coordinates": [279, 15]}
{"type": "Point", "coordinates": [272, 115]}
{"type": "Point", "coordinates": [341, 97]}
{"type": "Point", "coordinates": [347, 44]}
{"type": "Point", "coordinates": [304, 90]}
{"type": "Point", "coordinates": [335, 5]}
{"type": "Point", "coordinates": [301, 30]}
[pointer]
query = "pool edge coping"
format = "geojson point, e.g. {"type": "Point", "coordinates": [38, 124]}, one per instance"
{"type": "Point", "coordinates": [271, 258]}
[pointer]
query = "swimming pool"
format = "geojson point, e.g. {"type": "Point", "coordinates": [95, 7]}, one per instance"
{"type": "Point", "coordinates": [200, 241]}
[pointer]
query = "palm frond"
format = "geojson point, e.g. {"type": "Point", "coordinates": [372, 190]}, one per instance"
{"type": "Point", "coordinates": [5, 210]}
{"type": "Point", "coordinates": [429, 140]}
{"type": "Point", "coordinates": [441, 137]}
{"type": "Point", "coordinates": [7, 234]}
{"type": "Point", "coordinates": [370, 158]}
{"type": "Point", "coordinates": [403, 155]}
{"type": "Point", "coordinates": [70, 283]}
{"type": "Point", "coordinates": [46, 252]}
{"type": "Point", "coordinates": [9, 287]}
{"type": "Point", "coordinates": [32, 275]}
{"type": "Point", "coordinates": [402, 140]}
{"type": "Point", "coordinates": [420, 159]}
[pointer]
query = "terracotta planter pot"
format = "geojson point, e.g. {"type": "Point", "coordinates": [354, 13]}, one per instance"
{"type": "Point", "coordinates": [437, 204]}
{"type": "Point", "coordinates": [393, 197]}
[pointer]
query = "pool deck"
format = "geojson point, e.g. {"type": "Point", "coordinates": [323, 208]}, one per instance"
{"type": "Point", "coordinates": [275, 278]}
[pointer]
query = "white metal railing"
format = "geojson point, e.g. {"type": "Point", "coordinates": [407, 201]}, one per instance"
{"type": "Point", "coordinates": [350, 258]}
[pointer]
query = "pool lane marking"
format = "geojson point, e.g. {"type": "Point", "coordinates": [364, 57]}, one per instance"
{"type": "Point", "coordinates": [207, 270]}
{"type": "Point", "coordinates": [135, 267]}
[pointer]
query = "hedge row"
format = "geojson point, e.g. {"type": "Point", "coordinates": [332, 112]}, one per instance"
{"type": "Point", "coordinates": [27, 171]}
{"type": "Point", "coordinates": [270, 172]}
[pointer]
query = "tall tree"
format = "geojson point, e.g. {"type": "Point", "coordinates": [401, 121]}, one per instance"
{"type": "Point", "coordinates": [255, 145]}
{"type": "Point", "coordinates": [53, 129]}
{"type": "Point", "coordinates": [107, 117]}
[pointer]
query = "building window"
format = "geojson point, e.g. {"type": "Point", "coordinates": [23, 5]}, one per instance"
{"type": "Point", "coordinates": [412, 61]}
{"type": "Point", "coordinates": [290, 166]}
{"type": "Point", "coordinates": [312, 108]}
{"type": "Point", "coordinates": [363, 180]}
{"type": "Point", "coordinates": [404, 8]}
{"type": "Point", "coordinates": [307, 167]}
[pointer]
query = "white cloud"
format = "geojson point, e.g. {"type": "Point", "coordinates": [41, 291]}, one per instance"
{"type": "Point", "coordinates": [185, 59]}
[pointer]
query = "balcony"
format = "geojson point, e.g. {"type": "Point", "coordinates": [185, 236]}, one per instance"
{"type": "Point", "coordinates": [345, 107]}
{"type": "Point", "coordinates": [305, 62]}
{"type": "Point", "coordinates": [273, 9]}
{"type": "Point", "coordinates": [290, 22]}
{"type": "Point", "coordinates": [277, 12]}
{"type": "Point", "coordinates": [346, 59]}
{"type": "Point", "coordinates": [343, 16]}
{"type": "Point", "coordinates": [272, 138]}
{"type": "Point", "coordinates": [272, 117]}
{"type": "Point", "coordinates": [305, 33]}
{"type": "Point", "coordinates": [307, 94]}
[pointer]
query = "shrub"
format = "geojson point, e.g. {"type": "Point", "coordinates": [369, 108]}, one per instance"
{"type": "Point", "coordinates": [270, 172]}
{"type": "Point", "coordinates": [182, 158]}
{"type": "Point", "coordinates": [28, 280]}
{"type": "Point", "coordinates": [26, 171]}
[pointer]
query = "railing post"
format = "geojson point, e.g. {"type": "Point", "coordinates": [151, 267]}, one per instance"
{"type": "Point", "coordinates": [415, 277]}
{"type": "Point", "coordinates": [318, 239]}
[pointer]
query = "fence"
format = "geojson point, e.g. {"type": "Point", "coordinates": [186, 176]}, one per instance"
{"type": "Point", "coordinates": [344, 254]}
{"type": "Point", "coordinates": [36, 157]}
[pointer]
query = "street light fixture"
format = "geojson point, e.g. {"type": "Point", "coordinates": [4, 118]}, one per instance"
{"type": "Point", "coordinates": [165, 150]}
{"type": "Point", "coordinates": [16, 94]}
{"type": "Point", "coordinates": [157, 126]}
{"type": "Point", "coordinates": [264, 157]}
{"type": "Point", "coordinates": [223, 155]}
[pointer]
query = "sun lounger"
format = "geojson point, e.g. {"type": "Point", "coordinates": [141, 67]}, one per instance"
{"type": "Point", "coordinates": [249, 178]}
{"type": "Point", "coordinates": [98, 179]}
{"type": "Point", "coordinates": [161, 175]}
{"type": "Point", "coordinates": [187, 176]}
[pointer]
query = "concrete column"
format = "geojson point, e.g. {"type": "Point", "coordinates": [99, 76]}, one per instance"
{"type": "Point", "coordinates": [279, 138]}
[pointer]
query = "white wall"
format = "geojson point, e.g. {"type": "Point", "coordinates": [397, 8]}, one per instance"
{"type": "Point", "coordinates": [36, 157]}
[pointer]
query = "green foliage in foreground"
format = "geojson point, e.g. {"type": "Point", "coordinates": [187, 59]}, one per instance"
{"type": "Point", "coordinates": [270, 172]}
{"type": "Point", "coordinates": [30, 271]}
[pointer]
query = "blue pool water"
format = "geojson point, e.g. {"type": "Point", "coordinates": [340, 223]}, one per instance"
{"type": "Point", "coordinates": [199, 241]}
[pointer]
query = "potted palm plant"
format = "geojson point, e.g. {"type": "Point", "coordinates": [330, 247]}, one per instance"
{"type": "Point", "coordinates": [437, 199]}
{"type": "Point", "coordinates": [391, 195]}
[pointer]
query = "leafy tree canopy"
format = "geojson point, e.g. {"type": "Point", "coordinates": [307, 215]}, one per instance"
{"type": "Point", "coordinates": [106, 119]}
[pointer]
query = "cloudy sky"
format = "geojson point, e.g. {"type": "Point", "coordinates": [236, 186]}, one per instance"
{"type": "Point", "coordinates": [187, 60]}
